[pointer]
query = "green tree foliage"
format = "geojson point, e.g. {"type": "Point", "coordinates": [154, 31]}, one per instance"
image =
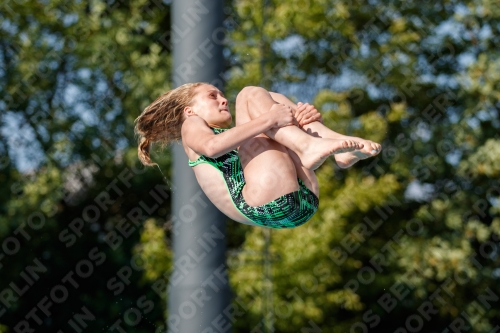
{"type": "Point", "coordinates": [420, 220]}
{"type": "Point", "coordinates": [404, 242]}
{"type": "Point", "coordinates": [74, 77]}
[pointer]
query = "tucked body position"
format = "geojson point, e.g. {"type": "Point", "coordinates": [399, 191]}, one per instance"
{"type": "Point", "coordinates": [261, 171]}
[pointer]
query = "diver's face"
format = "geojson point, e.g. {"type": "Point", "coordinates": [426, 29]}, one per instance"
{"type": "Point", "coordinates": [210, 104]}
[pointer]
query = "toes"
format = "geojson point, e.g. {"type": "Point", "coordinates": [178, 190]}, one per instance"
{"type": "Point", "coordinates": [376, 148]}
{"type": "Point", "coordinates": [347, 144]}
{"type": "Point", "coordinates": [350, 145]}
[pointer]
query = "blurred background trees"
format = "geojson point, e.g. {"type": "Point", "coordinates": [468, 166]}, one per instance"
{"type": "Point", "coordinates": [74, 77]}
{"type": "Point", "coordinates": [404, 242]}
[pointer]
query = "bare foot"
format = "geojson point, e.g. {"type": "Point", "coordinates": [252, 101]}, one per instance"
{"type": "Point", "coordinates": [320, 149]}
{"type": "Point", "coordinates": [370, 149]}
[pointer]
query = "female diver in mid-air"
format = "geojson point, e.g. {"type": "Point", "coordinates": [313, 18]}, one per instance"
{"type": "Point", "coordinates": [266, 161]}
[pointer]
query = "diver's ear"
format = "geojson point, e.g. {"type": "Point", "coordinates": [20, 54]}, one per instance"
{"type": "Point", "coordinates": [188, 111]}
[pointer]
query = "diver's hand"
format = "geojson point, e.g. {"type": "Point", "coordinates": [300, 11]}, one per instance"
{"type": "Point", "coordinates": [307, 113]}
{"type": "Point", "coordinates": [281, 115]}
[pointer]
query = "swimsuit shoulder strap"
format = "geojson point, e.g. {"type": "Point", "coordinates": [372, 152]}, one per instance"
{"type": "Point", "coordinates": [218, 130]}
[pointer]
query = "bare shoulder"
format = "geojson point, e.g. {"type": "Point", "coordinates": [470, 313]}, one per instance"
{"type": "Point", "coordinates": [194, 125]}
{"type": "Point", "coordinates": [195, 133]}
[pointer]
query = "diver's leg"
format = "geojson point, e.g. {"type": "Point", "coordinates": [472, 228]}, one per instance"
{"type": "Point", "coordinates": [307, 176]}
{"type": "Point", "coordinates": [268, 169]}
{"type": "Point", "coordinates": [312, 151]}
{"type": "Point", "coordinates": [316, 128]}
{"type": "Point", "coordinates": [345, 160]}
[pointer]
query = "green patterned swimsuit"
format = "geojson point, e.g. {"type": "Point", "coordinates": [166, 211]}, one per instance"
{"type": "Point", "coordinates": [288, 211]}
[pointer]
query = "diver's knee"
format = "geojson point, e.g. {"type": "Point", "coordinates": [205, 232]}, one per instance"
{"type": "Point", "coordinates": [276, 95]}
{"type": "Point", "coordinates": [249, 92]}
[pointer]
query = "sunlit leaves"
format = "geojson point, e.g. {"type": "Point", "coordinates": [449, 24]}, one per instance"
{"type": "Point", "coordinates": [422, 79]}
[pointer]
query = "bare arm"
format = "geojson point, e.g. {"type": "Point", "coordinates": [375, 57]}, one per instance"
{"type": "Point", "coordinates": [199, 137]}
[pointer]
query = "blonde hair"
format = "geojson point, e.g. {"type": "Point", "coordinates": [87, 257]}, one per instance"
{"type": "Point", "coordinates": [162, 120]}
